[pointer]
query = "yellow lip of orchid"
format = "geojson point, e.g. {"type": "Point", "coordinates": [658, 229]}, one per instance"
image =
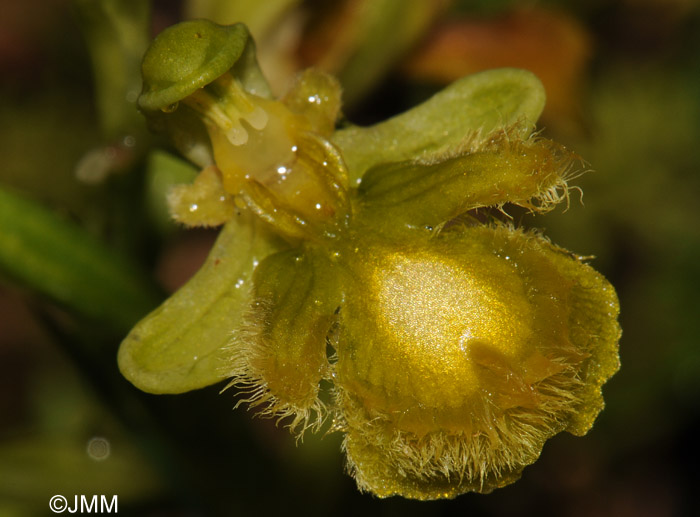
{"type": "Point", "coordinates": [453, 349]}
{"type": "Point", "coordinates": [459, 356]}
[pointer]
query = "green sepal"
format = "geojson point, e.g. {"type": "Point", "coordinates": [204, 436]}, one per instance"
{"type": "Point", "coordinates": [475, 105]}
{"type": "Point", "coordinates": [61, 260]}
{"type": "Point", "coordinates": [180, 346]}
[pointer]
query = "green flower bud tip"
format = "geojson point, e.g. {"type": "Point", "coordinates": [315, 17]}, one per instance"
{"type": "Point", "coordinates": [457, 348]}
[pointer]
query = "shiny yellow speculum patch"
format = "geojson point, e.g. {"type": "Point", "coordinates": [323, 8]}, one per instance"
{"type": "Point", "coordinates": [429, 313]}
{"type": "Point", "coordinates": [451, 349]}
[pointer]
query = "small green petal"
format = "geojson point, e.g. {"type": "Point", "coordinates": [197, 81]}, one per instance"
{"type": "Point", "coordinates": [179, 346]}
{"type": "Point", "coordinates": [296, 298]}
{"type": "Point", "coordinates": [530, 173]}
{"type": "Point", "coordinates": [475, 105]}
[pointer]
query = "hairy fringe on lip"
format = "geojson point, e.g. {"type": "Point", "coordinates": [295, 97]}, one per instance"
{"type": "Point", "coordinates": [248, 350]}
{"type": "Point", "coordinates": [497, 445]}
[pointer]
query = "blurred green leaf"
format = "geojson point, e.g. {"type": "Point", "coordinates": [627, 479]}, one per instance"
{"type": "Point", "coordinates": [258, 16]}
{"type": "Point", "coordinates": [117, 34]}
{"type": "Point", "coordinates": [66, 263]}
{"type": "Point", "coordinates": [372, 53]}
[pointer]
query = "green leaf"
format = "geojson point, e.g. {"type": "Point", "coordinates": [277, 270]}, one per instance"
{"type": "Point", "coordinates": [371, 54]}
{"type": "Point", "coordinates": [117, 33]}
{"type": "Point", "coordinates": [181, 345]}
{"type": "Point", "coordinates": [66, 263]}
{"type": "Point", "coordinates": [476, 104]}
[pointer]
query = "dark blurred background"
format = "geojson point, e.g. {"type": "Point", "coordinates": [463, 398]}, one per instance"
{"type": "Point", "coordinates": [623, 85]}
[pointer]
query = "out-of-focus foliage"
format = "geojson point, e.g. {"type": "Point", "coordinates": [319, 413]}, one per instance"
{"type": "Point", "coordinates": [69, 265]}
{"type": "Point", "coordinates": [631, 107]}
